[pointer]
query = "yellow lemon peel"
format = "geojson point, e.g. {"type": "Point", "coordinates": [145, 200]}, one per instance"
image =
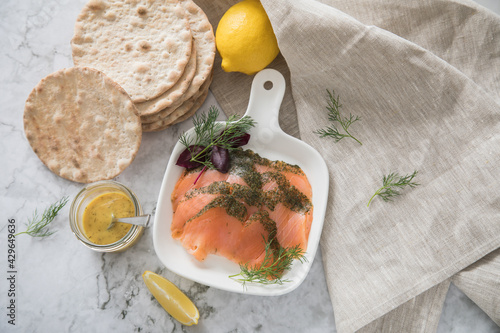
{"type": "Point", "coordinates": [245, 38]}
{"type": "Point", "coordinates": [174, 301]}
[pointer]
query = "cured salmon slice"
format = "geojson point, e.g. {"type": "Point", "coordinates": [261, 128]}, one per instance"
{"type": "Point", "coordinates": [237, 213]}
{"type": "Point", "coordinates": [292, 228]}
{"type": "Point", "coordinates": [187, 182]}
{"type": "Point", "coordinates": [216, 232]}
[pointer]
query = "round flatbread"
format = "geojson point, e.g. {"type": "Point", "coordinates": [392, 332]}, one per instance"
{"type": "Point", "coordinates": [191, 107]}
{"type": "Point", "coordinates": [143, 45]}
{"type": "Point", "coordinates": [175, 110]}
{"type": "Point", "coordinates": [171, 95]}
{"type": "Point", "coordinates": [82, 125]}
{"type": "Point", "coordinates": [204, 42]}
{"type": "Point", "coordinates": [183, 112]}
{"type": "Point", "coordinates": [197, 104]}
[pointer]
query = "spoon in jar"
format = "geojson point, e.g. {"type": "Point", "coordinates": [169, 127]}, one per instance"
{"type": "Point", "coordinates": [141, 220]}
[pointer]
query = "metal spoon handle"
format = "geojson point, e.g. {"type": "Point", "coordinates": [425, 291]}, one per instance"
{"type": "Point", "coordinates": [141, 220]}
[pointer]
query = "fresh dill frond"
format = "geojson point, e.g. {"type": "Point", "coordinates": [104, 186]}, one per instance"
{"type": "Point", "coordinates": [270, 271]}
{"type": "Point", "coordinates": [38, 225]}
{"type": "Point", "coordinates": [335, 117]}
{"type": "Point", "coordinates": [209, 133]}
{"type": "Point", "coordinates": [392, 184]}
{"type": "Point", "coordinates": [206, 126]}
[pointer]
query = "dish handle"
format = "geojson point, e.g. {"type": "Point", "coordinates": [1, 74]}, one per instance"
{"type": "Point", "coordinates": [266, 95]}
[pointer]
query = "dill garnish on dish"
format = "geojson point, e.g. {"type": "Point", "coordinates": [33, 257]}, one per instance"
{"type": "Point", "coordinates": [271, 270]}
{"type": "Point", "coordinates": [212, 140]}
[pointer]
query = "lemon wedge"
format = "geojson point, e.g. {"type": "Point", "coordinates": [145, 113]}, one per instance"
{"type": "Point", "coordinates": [174, 301]}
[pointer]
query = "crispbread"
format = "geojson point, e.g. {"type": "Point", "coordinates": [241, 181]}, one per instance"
{"type": "Point", "coordinates": [82, 125]}
{"type": "Point", "coordinates": [190, 107]}
{"type": "Point", "coordinates": [185, 108]}
{"type": "Point", "coordinates": [173, 94]}
{"type": "Point", "coordinates": [204, 42]}
{"type": "Point", "coordinates": [143, 45]}
{"type": "Point", "coordinates": [197, 104]}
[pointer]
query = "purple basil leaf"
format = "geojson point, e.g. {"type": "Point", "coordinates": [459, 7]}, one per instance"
{"type": "Point", "coordinates": [220, 159]}
{"type": "Point", "coordinates": [184, 159]}
{"type": "Point", "coordinates": [237, 141]}
{"type": "Point", "coordinates": [240, 140]}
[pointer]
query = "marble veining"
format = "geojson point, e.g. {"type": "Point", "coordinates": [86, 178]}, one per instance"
{"type": "Point", "coordinates": [60, 285]}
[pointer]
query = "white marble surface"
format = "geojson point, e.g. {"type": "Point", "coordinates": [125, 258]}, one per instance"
{"type": "Point", "coordinates": [61, 286]}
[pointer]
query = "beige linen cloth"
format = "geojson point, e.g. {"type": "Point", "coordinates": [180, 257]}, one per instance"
{"type": "Point", "coordinates": [424, 76]}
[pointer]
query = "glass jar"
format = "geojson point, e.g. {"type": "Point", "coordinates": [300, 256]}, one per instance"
{"type": "Point", "coordinates": [89, 193]}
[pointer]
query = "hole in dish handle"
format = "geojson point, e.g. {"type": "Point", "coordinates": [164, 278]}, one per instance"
{"type": "Point", "coordinates": [268, 85]}
{"type": "Point", "coordinates": [266, 95]}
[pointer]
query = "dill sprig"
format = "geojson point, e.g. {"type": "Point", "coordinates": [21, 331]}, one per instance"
{"type": "Point", "coordinates": [271, 270]}
{"type": "Point", "coordinates": [335, 117]}
{"type": "Point", "coordinates": [209, 133]}
{"type": "Point", "coordinates": [38, 225]}
{"type": "Point", "coordinates": [392, 184]}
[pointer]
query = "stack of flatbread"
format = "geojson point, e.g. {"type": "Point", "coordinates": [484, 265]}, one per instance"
{"type": "Point", "coordinates": [140, 65]}
{"type": "Point", "coordinates": [160, 52]}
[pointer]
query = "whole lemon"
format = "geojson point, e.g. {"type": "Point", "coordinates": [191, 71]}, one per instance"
{"type": "Point", "coordinates": [245, 38]}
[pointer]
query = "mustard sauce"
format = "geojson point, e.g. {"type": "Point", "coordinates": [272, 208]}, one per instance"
{"type": "Point", "coordinates": [97, 217]}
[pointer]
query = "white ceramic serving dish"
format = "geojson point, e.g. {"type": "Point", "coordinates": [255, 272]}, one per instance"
{"type": "Point", "coordinates": [268, 140]}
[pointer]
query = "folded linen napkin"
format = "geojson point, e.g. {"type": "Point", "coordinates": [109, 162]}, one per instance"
{"type": "Point", "coordinates": [424, 76]}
